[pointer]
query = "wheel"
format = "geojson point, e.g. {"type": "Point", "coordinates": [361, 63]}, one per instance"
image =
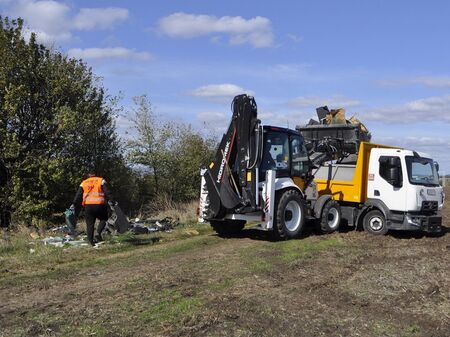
{"type": "Point", "coordinates": [331, 217]}
{"type": "Point", "coordinates": [290, 216]}
{"type": "Point", "coordinates": [375, 223]}
{"type": "Point", "coordinates": [226, 228]}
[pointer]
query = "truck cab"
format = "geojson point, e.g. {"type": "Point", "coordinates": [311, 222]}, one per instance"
{"type": "Point", "coordinates": [405, 185]}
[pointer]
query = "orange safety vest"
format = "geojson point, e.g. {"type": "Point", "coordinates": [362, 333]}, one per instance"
{"type": "Point", "coordinates": [93, 191]}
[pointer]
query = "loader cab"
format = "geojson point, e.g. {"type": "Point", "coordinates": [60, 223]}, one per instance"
{"type": "Point", "coordinates": [283, 151]}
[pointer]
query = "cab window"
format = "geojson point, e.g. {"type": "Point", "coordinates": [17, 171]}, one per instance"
{"type": "Point", "coordinates": [275, 152]}
{"type": "Point", "coordinates": [300, 160]}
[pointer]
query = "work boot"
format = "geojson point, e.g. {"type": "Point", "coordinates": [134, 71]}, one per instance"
{"type": "Point", "coordinates": [99, 238]}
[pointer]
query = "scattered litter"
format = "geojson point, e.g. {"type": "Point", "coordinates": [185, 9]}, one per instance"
{"type": "Point", "coordinates": [32, 251]}
{"type": "Point", "coordinates": [192, 232]}
{"type": "Point", "coordinates": [63, 229]}
{"type": "Point", "coordinates": [34, 235]}
{"type": "Point", "coordinates": [69, 214]}
{"type": "Point", "coordinates": [58, 241]}
{"type": "Point", "coordinates": [150, 226]}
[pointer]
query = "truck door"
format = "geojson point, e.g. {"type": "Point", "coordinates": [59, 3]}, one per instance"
{"type": "Point", "coordinates": [385, 181]}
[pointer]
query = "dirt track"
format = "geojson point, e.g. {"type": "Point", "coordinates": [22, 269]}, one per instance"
{"type": "Point", "coordinates": [344, 284]}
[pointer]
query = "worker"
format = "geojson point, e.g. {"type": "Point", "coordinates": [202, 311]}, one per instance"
{"type": "Point", "coordinates": [94, 194]}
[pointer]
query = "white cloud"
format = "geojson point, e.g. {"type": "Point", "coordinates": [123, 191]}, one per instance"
{"type": "Point", "coordinates": [215, 121]}
{"type": "Point", "coordinates": [429, 109]}
{"type": "Point", "coordinates": [431, 81]}
{"type": "Point", "coordinates": [109, 53]}
{"type": "Point", "coordinates": [102, 18]}
{"type": "Point", "coordinates": [48, 18]}
{"type": "Point", "coordinates": [256, 31]}
{"type": "Point", "coordinates": [219, 92]}
{"type": "Point", "coordinates": [295, 38]}
{"type": "Point", "coordinates": [336, 101]}
{"type": "Point", "coordinates": [54, 21]}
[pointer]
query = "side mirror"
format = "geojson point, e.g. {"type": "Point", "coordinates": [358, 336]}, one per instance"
{"type": "Point", "coordinates": [394, 176]}
{"type": "Point", "coordinates": [436, 164]}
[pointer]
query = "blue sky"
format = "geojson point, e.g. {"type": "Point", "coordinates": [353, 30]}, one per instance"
{"type": "Point", "coordinates": [387, 62]}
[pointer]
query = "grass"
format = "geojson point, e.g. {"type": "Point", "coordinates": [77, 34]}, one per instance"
{"type": "Point", "coordinates": [24, 259]}
{"type": "Point", "coordinates": [293, 250]}
{"type": "Point", "coordinates": [271, 254]}
{"type": "Point", "coordinates": [172, 307]}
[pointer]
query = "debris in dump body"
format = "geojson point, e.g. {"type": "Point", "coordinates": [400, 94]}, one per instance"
{"type": "Point", "coordinates": [333, 134]}
{"type": "Point", "coordinates": [150, 226]}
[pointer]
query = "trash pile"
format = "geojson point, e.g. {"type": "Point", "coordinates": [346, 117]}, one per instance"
{"type": "Point", "coordinates": [65, 236]}
{"type": "Point", "coordinates": [150, 226]}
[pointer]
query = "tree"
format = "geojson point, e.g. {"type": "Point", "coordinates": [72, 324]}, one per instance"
{"type": "Point", "coordinates": [55, 121]}
{"type": "Point", "coordinates": [172, 154]}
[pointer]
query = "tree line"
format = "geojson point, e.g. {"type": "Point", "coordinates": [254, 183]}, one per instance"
{"type": "Point", "coordinates": [57, 121]}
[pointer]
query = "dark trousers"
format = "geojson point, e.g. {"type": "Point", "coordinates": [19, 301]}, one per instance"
{"type": "Point", "coordinates": [5, 218]}
{"type": "Point", "coordinates": [92, 213]}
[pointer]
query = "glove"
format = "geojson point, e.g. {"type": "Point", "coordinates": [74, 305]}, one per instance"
{"type": "Point", "coordinates": [112, 203]}
{"type": "Point", "coordinates": [72, 207]}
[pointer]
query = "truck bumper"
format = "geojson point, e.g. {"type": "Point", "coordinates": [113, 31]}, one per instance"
{"type": "Point", "coordinates": [413, 222]}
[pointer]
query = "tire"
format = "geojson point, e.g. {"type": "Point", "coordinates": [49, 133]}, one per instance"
{"type": "Point", "coordinates": [375, 223]}
{"type": "Point", "coordinates": [331, 217]}
{"type": "Point", "coordinates": [226, 228]}
{"type": "Point", "coordinates": [290, 216]}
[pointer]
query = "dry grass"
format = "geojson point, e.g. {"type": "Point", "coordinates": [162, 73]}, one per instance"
{"type": "Point", "coordinates": [184, 213]}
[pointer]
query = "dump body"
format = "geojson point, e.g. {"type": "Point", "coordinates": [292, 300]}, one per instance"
{"type": "Point", "coordinates": [347, 182]}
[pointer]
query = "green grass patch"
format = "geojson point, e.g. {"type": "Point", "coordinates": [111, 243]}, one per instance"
{"type": "Point", "coordinates": [293, 250]}
{"type": "Point", "coordinates": [172, 308]}
{"type": "Point", "coordinates": [270, 254]}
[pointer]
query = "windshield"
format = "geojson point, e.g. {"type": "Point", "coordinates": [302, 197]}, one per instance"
{"type": "Point", "coordinates": [422, 171]}
{"type": "Point", "coordinates": [275, 152]}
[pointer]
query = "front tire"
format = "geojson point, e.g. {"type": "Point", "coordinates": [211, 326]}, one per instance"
{"type": "Point", "coordinates": [226, 228]}
{"type": "Point", "coordinates": [290, 216]}
{"type": "Point", "coordinates": [375, 223]}
{"type": "Point", "coordinates": [331, 217]}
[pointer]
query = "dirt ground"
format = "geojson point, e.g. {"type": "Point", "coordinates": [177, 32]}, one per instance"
{"type": "Point", "coordinates": [344, 284]}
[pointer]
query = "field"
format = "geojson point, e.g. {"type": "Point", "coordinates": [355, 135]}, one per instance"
{"type": "Point", "coordinates": [193, 283]}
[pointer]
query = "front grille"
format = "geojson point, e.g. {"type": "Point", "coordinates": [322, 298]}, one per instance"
{"type": "Point", "coordinates": [429, 206]}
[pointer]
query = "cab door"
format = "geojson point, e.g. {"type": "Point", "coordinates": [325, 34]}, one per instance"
{"type": "Point", "coordinates": [299, 161]}
{"type": "Point", "coordinates": [385, 180]}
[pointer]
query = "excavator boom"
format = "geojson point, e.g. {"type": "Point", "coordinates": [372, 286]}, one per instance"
{"type": "Point", "coordinates": [230, 178]}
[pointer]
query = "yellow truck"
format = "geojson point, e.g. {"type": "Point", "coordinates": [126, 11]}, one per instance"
{"type": "Point", "coordinates": [382, 188]}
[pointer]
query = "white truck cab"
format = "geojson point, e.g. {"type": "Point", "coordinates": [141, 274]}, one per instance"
{"type": "Point", "coordinates": [405, 184]}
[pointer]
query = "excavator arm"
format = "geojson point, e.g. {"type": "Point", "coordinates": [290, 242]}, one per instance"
{"type": "Point", "coordinates": [230, 179]}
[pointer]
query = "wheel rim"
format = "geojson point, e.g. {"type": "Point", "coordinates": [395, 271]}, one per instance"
{"type": "Point", "coordinates": [333, 218]}
{"type": "Point", "coordinates": [376, 223]}
{"type": "Point", "coordinates": [292, 216]}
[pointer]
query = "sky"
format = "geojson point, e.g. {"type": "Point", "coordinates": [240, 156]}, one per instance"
{"type": "Point", "coordinates": [386, 62]}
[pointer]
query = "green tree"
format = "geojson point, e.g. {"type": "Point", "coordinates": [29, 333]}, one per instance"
{"type": "Point", "coordinates": [172, 154]}
{"type": "Point", "coordinates": [55, 121]}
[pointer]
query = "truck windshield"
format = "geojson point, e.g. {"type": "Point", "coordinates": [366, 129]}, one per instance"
{"type": "Point", "coordinates": [275, 152]}
{"type": "Point", "coordinates": [422, 171]}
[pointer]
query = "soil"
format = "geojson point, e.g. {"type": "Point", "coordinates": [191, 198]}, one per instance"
{"type": "Point", "coordinates": [344, 284]}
